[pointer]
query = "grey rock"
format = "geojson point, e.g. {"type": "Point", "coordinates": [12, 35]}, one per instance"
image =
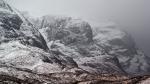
{"type": "Point", "coordinates": [76, 41]}
{"type": "Point", "coordinates": [66, 29]}
{"type": "Point", "coordinates": [120, 44]}
{"type": "Point", "coordinates": [24, 53]}
{"type": "Point", "coordinates": [13, 26]}
{"type": "Point", "coordinates": [63, 50]}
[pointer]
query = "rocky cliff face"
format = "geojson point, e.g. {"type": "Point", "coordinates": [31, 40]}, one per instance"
{"type": "Point", "coordinates": [24, 52]}
{"type": "Point", "coordinates": [74, 38]}
{"type": "Point", "coordinates": [95, 49]}
{"type": "Point", "coordinates": [120, 44]}
{"type": "Point", "coordinates": [62, 50]}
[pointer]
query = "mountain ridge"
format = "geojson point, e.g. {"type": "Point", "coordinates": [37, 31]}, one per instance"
{"type": "Point", "coordinates": [63, 50]}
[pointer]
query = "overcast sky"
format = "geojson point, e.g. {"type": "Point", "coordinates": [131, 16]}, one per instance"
{"type": "Point", "coordinates": [131, 15]}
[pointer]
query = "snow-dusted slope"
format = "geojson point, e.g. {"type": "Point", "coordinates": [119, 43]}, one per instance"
{"type": "Point", "coordinates": [74, 38]}
{"type": "Point", "coordinates": [120, 44]}
{"type": "Point", "coordinates": [62, 50]}
{"type": "Point", "coordinates": [22, 47]}
{"type": "Point", "coordinates": [91, 48]}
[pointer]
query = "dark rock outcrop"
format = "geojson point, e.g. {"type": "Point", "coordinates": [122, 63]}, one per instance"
{"type": "Point", "coordinates": [14, 27]}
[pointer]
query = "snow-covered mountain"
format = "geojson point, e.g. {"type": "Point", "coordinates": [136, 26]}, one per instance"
{"type": "Point", "coordinates": [74, 38]}
{"type": "Point", "coordinates": [63, 50]}
{"type": "Point", "coordinates": [120, 44]}
{"type": "Point", "coordinates": [94, 47]}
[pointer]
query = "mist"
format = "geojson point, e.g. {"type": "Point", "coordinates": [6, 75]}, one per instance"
{"type": "Point", "coordinates": [131, 15]}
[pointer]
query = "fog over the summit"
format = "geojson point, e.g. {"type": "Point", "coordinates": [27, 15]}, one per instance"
{"type": "Point", "coordinates": [131, 15]}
